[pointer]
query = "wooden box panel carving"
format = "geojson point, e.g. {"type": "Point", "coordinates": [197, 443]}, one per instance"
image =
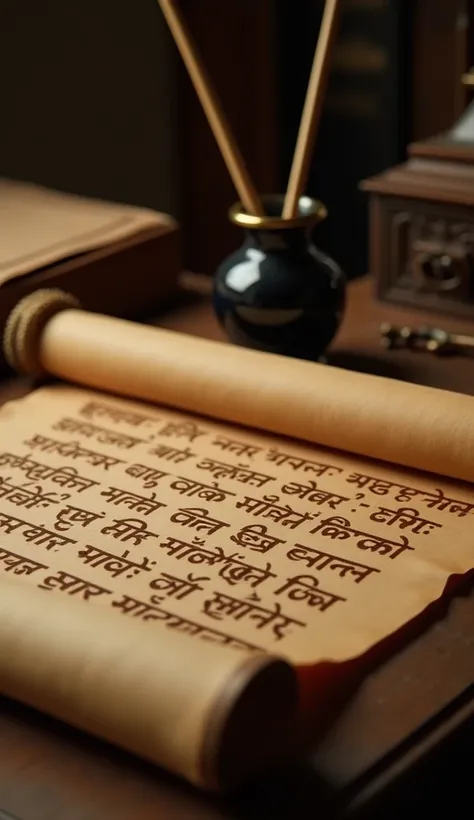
{"type": "Point", "coordinates": [423, 254]}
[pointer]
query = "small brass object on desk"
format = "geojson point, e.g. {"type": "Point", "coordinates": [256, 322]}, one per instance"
{"type": "Point", "coordinates": [467, 79]}
{"type": "Point", "coordinates": [427, 339]}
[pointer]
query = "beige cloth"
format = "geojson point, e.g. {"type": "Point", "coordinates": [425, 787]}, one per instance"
{"type": "Point", "coordinates": [39, 226]}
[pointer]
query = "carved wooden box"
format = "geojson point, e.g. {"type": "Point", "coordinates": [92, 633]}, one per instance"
{"type": "Point", "coordinates": [422, 229]}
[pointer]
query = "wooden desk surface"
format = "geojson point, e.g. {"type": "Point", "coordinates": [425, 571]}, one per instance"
{"type": "Point", "coordinates": [405, 738]}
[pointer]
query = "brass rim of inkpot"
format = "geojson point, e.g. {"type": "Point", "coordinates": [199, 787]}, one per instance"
{"type": "Point", "coordinates": [311, 211]}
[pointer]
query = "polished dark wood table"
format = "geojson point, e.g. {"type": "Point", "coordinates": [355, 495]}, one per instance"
{"type": "Point", "coordinates": [405, 739]}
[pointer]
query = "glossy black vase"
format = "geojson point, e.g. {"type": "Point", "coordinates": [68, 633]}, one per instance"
{"type": "Point", "coordinates": [278, 292]}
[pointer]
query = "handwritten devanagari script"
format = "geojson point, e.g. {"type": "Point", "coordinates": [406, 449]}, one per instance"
{"type": "Point", "coordinates": [234, 537]}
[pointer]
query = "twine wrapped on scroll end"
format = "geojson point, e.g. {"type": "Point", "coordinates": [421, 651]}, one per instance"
{"type": "Point", "coordinates": [25, 324]}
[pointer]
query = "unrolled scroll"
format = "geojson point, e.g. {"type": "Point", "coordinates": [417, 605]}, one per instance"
{"type": "Point", "coordinates": [401, 423]}
{"type": "Point", "coordinates": [164, 522]}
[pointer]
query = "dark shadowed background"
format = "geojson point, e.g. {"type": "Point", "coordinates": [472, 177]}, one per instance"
{"type": "Point", "coordinates": [94, 99]}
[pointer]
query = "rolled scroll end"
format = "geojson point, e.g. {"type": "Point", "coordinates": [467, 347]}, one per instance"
{"type": "Point", "coordinates": [23, 328]}
{"type": "Point", "coordinates": [252, 726]}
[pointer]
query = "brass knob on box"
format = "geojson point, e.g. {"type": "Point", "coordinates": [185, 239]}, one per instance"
{"type": "Point", "coordinates": [440, 271]}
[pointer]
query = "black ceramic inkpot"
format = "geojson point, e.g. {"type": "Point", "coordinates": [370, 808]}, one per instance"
{"type": "Point", "coordinates": [278, 292]}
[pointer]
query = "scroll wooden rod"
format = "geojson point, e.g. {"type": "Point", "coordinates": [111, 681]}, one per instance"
{"type": "Point", "coordinates": [212, 108]}
{"type": "Point", "coordinates": [312, 109]}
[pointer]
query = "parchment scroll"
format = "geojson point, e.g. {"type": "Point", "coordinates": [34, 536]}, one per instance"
{"type": "Point", "coordinates": [225, 534]}
{"type": "Point", "coordinates": [401, 423]}
{"type": "Point", "coordinates": [213, 528]}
